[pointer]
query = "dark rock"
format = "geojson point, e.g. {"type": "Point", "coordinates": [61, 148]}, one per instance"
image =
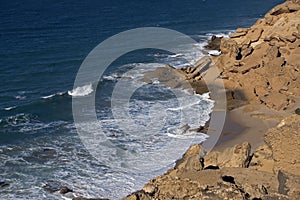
{"type": "Point", "coordinates": [65, 190]}
{"type": "Point", "coordinates": [282, 178]}
{"type": "Point", "coordinates": [52, 186]}
{"type": "Point", "coordinates": [214, 43]}
{"type": "Point", "coordinates": [297, 111]}
{"type": "Point", "coordinates": [184, 129]}
{"type": "Point", "coordinates": [289, 184]}
{"type": "Point", "coordinates": [228, 179]}
{"type": "Point", "coordinates": [3, 184]}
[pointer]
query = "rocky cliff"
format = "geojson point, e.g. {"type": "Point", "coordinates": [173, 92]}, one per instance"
{"type": "Point", "coordinates": [263, 61]}
{"type": "Point", "coordinates": [259, 65]}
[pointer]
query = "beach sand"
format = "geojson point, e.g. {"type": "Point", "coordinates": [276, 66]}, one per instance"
{"type": "Point", "coordinates": [247, 123]}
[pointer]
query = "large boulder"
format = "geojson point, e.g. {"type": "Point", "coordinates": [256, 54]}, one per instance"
{"type": "Point", "coordinates": [237, 156]}
{"type": "Point", "coordinates": [214, 43]}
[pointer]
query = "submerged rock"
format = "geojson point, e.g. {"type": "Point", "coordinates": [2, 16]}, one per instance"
{"type": "Point", "coordinates": [3, 184]}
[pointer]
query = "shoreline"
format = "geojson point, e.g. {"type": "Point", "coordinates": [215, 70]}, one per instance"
{"type": "Point", "coordinates": [241, 126]}
{"type": "Point", "coordinates": [257, 155]}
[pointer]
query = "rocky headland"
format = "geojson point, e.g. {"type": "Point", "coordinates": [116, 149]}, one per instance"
{"type": "Point", "coordinates": [260, 68]}
{"type": "Point", "coordinates": [258, 153]}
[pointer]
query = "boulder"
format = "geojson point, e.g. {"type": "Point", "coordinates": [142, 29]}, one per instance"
{"type": "Point", "coordinates": [214, 43]}
{"type": "Point", "coordinates": [191, 160]}
{"type": "Point", "coordinates": [3, 184]}
{"type": "Point", "coordinates": [237, 156]}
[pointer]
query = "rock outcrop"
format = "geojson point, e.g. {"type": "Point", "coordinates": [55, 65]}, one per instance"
{"type": "Point", "coordinates": [259, 65]}
{"type": "Point", "coordinates": [271, 172]}
{"type": "Point", "coordinates": [263, 61]}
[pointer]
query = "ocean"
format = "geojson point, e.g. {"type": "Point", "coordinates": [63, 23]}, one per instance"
{"type": "Point", "coordinates": [42, 46]}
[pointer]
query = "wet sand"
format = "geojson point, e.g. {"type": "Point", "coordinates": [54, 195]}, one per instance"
{"type": "Point", "coordinates": [247, 123]}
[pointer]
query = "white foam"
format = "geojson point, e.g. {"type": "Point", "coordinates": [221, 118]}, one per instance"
{"type": "Point", "coordinates": [111, 77]}
{"type": "Point", "coordinates": [190, 135]}
{"type": "Point", "coordinates": [20, 97]}
{"type": "Point", "coordinates": [81, 91]}
{"type": "Point", "coordinates": [10, 108]}
{"type": "Point", "coordinates": [177, 55]}
{"type": "Point", "coordinates": [52, 95]}
{"type": "Point", "coordinates": [224, 33]}
{"type": "Point", "coordinates": [49, 96]}
{"type": "Point", "coordinates": [214, 52]}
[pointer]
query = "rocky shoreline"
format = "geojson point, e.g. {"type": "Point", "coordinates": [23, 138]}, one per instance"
{"type": "Point", "coordinates": [258, 154]}
{"type": "Point", "coordinates": [260, 67]}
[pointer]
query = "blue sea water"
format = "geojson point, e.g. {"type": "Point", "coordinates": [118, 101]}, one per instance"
{"type": "Point", "coordinates": [42, 45]}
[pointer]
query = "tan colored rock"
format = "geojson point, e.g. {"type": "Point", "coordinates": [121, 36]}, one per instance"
{"type": "Point", "coordinates": [261, 91]}
{"type": "Point", "coordinates": [247, 51]}
{"type": "Point", "coordinates": [275, 100]}
{"type": "Point", "coordinates": [237, 34]}
{"type": "Point", "coordinates": [199, 67]}
{"type": "Point", "coordinates": [254, 178]}
{"type": "Point", "coordinates": [296, 35]}
{"type": "Point", "coordinates": [241, 30]}
{"type": "Point", "coordinates": [294, 58]}
{"type": "Point", "coordinates": [229, 46]}
{"type": "Point", "coordinates": [284, 142]}
{"type": "Point", "coordinates": [237, 156]}
{"type": "Point", "coordinates": [262, 159]}
{"type": "Point", "coordinates": [149, 188]}
{"type": "Point", "coordinates": [191, 159]}
{"type": "Point", "coordinates": [254, 35]}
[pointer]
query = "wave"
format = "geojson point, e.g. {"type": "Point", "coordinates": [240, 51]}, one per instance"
{"type": "Point", "coordinates": [9, 108]}
{"type": "Point", "coordinates": [81, 91]}
{"type": "Point", "coordinates": [224, 33]}
{"type": "Point", "coordinates": [19, 97]}
{"type": "Point", "coordinates": [190, 135]}
{"type": "Point", "coordinates": [52, 95]}
{"type": "Point", "coordinates": [177, 55]}
{"type": "Point", "coordinates": [16, 120]}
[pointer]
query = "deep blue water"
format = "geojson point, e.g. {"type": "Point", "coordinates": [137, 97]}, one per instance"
{"type": "Point", "coordinates": [42, 45]}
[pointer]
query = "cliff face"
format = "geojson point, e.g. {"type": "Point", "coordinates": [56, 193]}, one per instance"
{"type": "Point", "coordinates": [264, 61]}
{"type": "Point", "coordinates": [263, 64]}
